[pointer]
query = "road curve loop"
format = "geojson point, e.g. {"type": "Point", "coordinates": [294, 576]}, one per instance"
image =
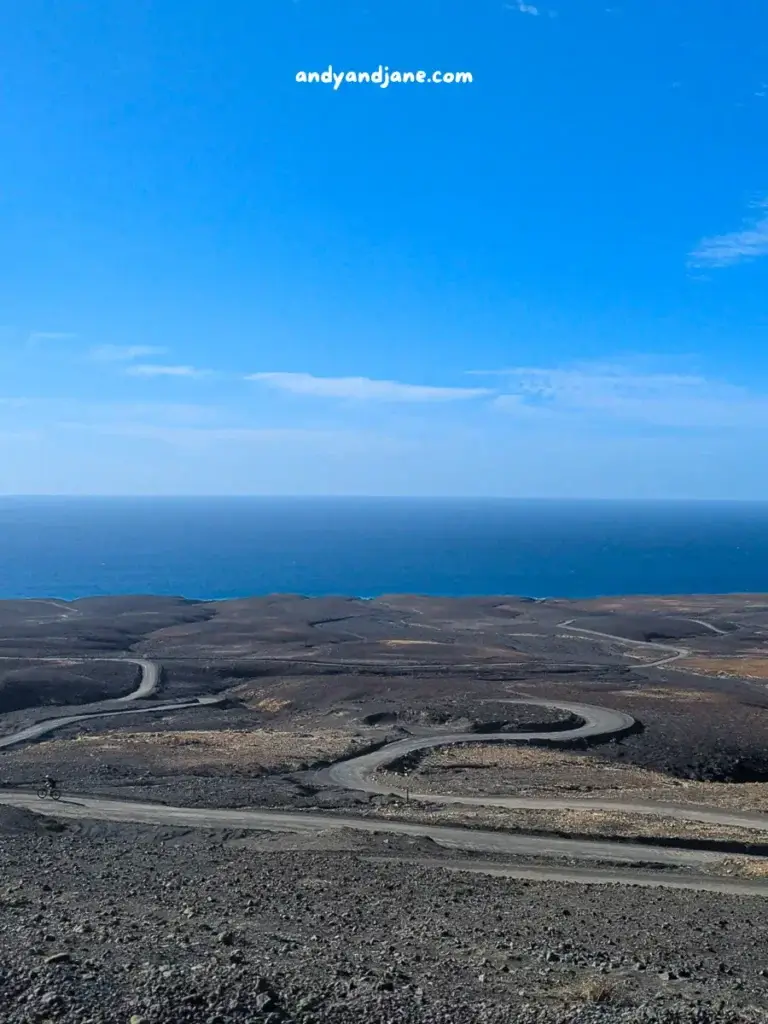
{"type": "Point", "coordinates": [148, 683]}
{"type": "Point", "coordinates": [597, 723]}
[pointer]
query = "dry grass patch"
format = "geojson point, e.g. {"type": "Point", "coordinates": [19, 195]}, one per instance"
{"type": "Point", "coordinates": [670, 693]}
{"type": "Point", "coordinates": [622, 825]}
{"type": "Point", "coordinates": [595, 824]}
{"type": "Point", "coordinates": [521, 756]}
{"type": "Point", "coordinates": [518, 770]}
{"type": "Point", "coordinates": [272, 704]}
{"type": "Point", "coordinates": [744, 667]}
{"type": "Point", "coordinates": [593, 989]}
{"type": "Point", "coordinates": [272, 698]}
{"type": "Point", "coordinates": [182, 751]}
{"type": "Point", "coordinates": [650, 604]}
{"type": "Point", "coordinates": [487, 769]}
{"type": "Point", "coordinates": [744, 867]}
{"type": "Point", "coordinates": [409, 643]}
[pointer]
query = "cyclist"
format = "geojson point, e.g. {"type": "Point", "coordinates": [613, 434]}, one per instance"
{"type": "Point", "coordinates": [51, 784]}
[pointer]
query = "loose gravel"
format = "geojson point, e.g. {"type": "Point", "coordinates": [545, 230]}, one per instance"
{"type": "Point", "coordinates": [104, 924]}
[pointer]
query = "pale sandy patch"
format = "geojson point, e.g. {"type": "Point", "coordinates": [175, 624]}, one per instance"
{"type": "Point", "coordinates": [409, 643]}
{"type": "Point", "coordinates": [224, 748]}
{"type": "Point", "coordinates": [596, 824]}
{"type": "Point", "coordinates": [518, 770]}
{"type": "Point", "coordinates": [273, 697]}
{"type": "Point", "coordinates": [668, 693]}
{"type": "Point", "coordinates": [273, 704]}
{"type": "Point", "coordinates": [746, 867]}
{"type": "Point", "coordinates": [745, 667]}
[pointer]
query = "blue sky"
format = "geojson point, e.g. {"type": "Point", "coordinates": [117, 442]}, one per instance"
{"type": "Point", "coordinates": [551, 281]}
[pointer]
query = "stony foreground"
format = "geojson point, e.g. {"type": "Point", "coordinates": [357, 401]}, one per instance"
{"type": "Point", "coordinates": [105, 923]}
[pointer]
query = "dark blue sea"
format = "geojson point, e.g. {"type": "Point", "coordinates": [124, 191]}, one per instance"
{"type": "Point", "coordinates": [235, 547]}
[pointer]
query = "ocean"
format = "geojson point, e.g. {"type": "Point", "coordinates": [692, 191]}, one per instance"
{"type": "Point", "coordinates": [216, 548]}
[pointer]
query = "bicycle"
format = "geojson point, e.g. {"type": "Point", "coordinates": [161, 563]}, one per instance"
{"type": "Point", "coordinates": [49, 793]}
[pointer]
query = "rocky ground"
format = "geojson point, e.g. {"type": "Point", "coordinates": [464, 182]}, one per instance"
{"type": "Point", "coordinates": [235, 756]}
{"type": "Point", "coordinates": [27, 683]}
{"type": "Point", "coordinates": [107, 924]}
{"type": "Point", "coordinates": [405, 662]}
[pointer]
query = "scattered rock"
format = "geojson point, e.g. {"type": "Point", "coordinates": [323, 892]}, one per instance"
{"type": "Point", "coordinates": [59, 958]}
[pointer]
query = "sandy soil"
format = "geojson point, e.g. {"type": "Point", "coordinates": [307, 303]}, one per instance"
{"type": "Point", "coordinates": [250, 750]}
{"type": "Point", "coordinates": [745, 667]}
{"type": "Point", "coordinates": [494, 769]}
{"type": "Point", "coordinates": [120, 924]}
{"type": "Point", "coordinates": [577, 823]}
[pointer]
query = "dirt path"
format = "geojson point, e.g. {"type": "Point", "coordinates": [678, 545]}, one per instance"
{"type": "Point", "coordinates": [357, 774]}
{"type": "Point", "coordinates": [103, 809]}
{"type": "Point", "coordinates": [587, 876]}
{"type": "Point", "coordinates": [150, 678]}
{"type": "Point", "coordinates": [674, 653]}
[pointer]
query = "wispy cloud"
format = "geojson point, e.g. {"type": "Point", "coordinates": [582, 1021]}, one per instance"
{"type": "Point", "coordinates": [40, 337]}
{"type": "Point", "coordinates": [158, 370]}
{"type": "Point", "coordinates": [601, 394]}
{"type": "Point", "coordinates": [185, 425]}
{"type": "Point", "coordinates": [364, 389]}
{"type": "Point", "coordinates": [523, 8]}
{"type": "Point", "coordinates": [124, 353]}
{"type": "Point", "coordinates": [53, 411]}
{"type": "Point", "coordinates": [725, 250]}
{"type": "Point", "coordinates": [327, 441]}
{"type": "Point", "coordinates": [12, 436]}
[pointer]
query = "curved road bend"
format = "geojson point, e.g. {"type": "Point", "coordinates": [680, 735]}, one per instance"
{"type": "Point", "coordinates": [675, 651]}
{"type": "Point", "coordinates": [148, 683]}
{"type": "Point", "coordinates": [597, 723]}
{"type": "Point", "coordinates": [34, 732]}
{"type": "Point", "coordinates": [150, 678]}
{"type": "Point", "coordinates": [358, 773]}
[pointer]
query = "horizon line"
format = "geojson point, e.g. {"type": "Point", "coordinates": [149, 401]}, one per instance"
{"type": "Point", "coordinates": [379, 497]}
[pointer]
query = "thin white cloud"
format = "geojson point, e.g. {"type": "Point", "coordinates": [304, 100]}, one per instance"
{"type": "Point", "coordinates": [204, 428]}
{"type": "Point", "coordinates": [11, 436]}
{"type": "Point", "coordinates": [606, 393]}
{"type": "Point", "coordinates": [523, 8]}
{"type": "Point", "coordinates": [124, 353]}
{"type": "Point", "coordinates": [52, 411]}
{"type": "Point", "coordinates": [157, 370]}
{"type": "Point", "coordinates": [725, 250]}
{"type": "Point", "coordinates": [363, 389]}
{"type": "Point", "coordinates": [38, 337]}
{"type": "Point", "coordinates": [253, 436]}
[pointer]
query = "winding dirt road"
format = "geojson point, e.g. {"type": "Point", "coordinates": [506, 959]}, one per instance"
{"type": "Point", "coordinates": [674, 652]}
{"type": "Point", "coordinates": [597, 723]}
{"type": "Point", "coordinates": [150, 677]}
{"type": "Point", "coordinates": [357, 773]}
{"type": "Point", "coordinates": [603, 723]}
{"type": "Point", "coordinates": [148, 683]}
